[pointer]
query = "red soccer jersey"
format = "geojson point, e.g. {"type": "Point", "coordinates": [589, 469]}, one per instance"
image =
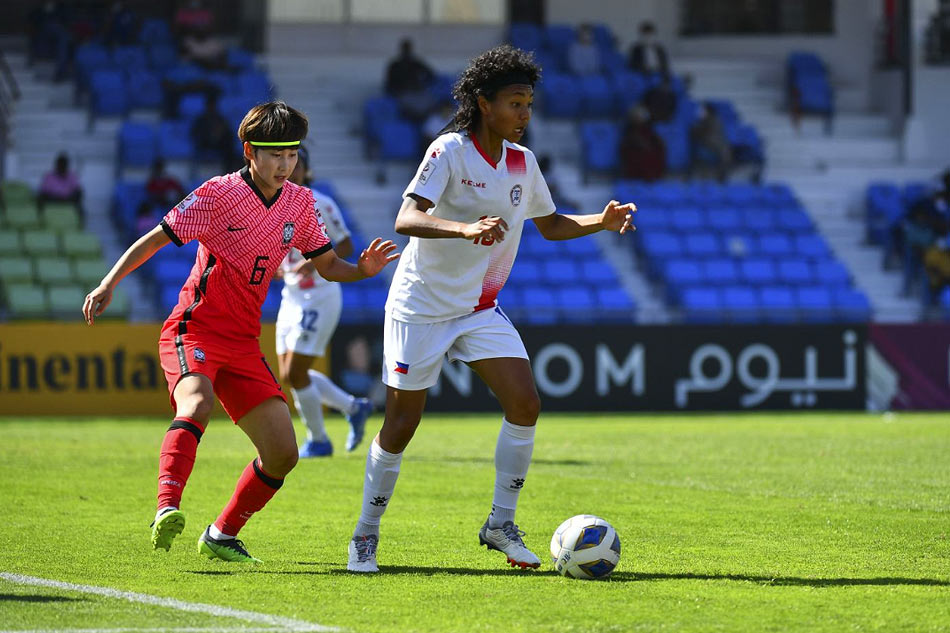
{"type": "Point", "coordinates": [242, 240]}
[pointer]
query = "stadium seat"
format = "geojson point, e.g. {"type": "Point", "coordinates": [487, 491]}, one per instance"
{"type": "Point", "coordinates": [155, 31]}
{"type": "Point", "coordinates": [400, 141]}
{"type": "Point", "coordinates": [795, 272]}
{"type": "Point", "coordinates": [14, 270]}
{"type": "Point", "coordinates": [89, 272]}
{"type": "Point", "coordinates": [26, 302]}
{"type": "Point", "coordinates": [240, 59]}
{"type": "Point", "coordinates": [16, 191]}
{"type": "Point", "coordinates": [82, 245]}
{"type": "Point", "coordinates": [61, 216]}
{"type": "Point", "coordinates": [680, 274]}
{"type": "Point", "coordinates": [720, 271]}
{"type": "Point", "coordinates": [10, 244]}
{"type": "Point", "coordinates": [851, 306]}
{"type": "Point", "coordinates": [597, 99]}
{"type": "Point", "coordinates": [561, 96]}
{"type": "Point", "coordinates": [254, 84]}
{"type": "Point", "coordinates": [599, 141]}
{"type": "Point", "coordinates": [558, 39]}
{"type": "Point", "coordinates": [775, 244]}
{"type": "Point", "coordinates": [676, 139]}
{"type": "Point", "coordinates": [119, 307]}
{"type": "Point", "coordinates": [129, 57]}
{"type": "Point", "coordinates": [137, 145]}
{"type": "Point", "coordinates": [741, 303]}
{"type": "Point", "coordinates": [108, 93]}
{"type": "Point", "coordinates": [560, 272]}
{"type": "Point", "coordinates": [40, 242]}
{"type": "Point", "coordinates": [599, 272]}
{"type": "Point", "coordinates": [89, 58]}
{"type": "Point", "coordinates": [525, 36]}
{"type": "Point", "coordinates": [703, 245]}
{"type": "Point", "coordinates": [662, 245]}
{"type": "Point", "coordinates": [144, 88]}
{"type": "Point", "coordinates": [793, 220]}
{"type": "Point", "coordinates": [811, 245]}
{"type": "Point", "coordinates": [190, 105]}
{"type": "Point", "coordinates": [778, 304]}
{"type": "Point", "coordinates": [724, 219]}
{"type": "Point", "coordinates": [701, 305]}
{"type": "Point", "coordinates": [162, 57]}
{"type": "Point", "coordinates": [525, 272]}
{"type": "Point", "coordinates": [52, 270]}
{"type": "Point", "coordinates": [65, 301]}
{"type": "Point", "coordinates": [614, 303]}
{"type": "Point", "coordinates": [815, 304]}
{"type": "Point", "coordinates": [758, 219]}
{"type": "Point", "coordinates": [687, 219]}
{"type": "Point", "coordinates": [174, 140]}
{"type": "Point", "coordinates": [831, 272]}
{"type": "Point", "coordinates": [884, 207]}
{"type": "Point", "coordinates": [758, 271]}
{"type": "Point", "coordinates": [629, 88]}
{"type": "Point", "coordinates": [577, 304]}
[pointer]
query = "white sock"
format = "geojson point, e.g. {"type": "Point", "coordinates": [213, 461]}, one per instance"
{"type": "Point", "coordinates": [331, 394]}
{"type": "Point", "coordinates": [310, 408]}
{"type": "Point", "coordinates": [164, 510]}
{"type": "Point", "coordinates": [512, 458]}
{"type": "Point", "coordinates": [217, 534]}
{"type": "Point", "coordinates": [382, 470]}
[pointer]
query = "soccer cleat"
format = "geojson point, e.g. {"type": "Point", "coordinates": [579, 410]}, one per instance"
{"type": "Point", "coordinates": [362, 410]}
{"type": "Point", "coordinates": [166, 527]}
{"type": "Point", "coordinates": [311, 448]}
{"type": "Point", "coordinates": [507, 539]}
{"type": "Point", "coordinates": [362, 554]}
{"type": "Point", "coordinates": [231, 550]}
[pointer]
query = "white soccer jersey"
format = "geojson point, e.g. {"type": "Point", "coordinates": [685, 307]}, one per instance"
{"type": "Point", "coordinates": [328, 213]}
{"type": "Point", "coordinates": [439, 279]}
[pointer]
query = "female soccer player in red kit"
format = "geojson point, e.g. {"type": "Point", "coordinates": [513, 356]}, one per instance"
{"type": "Point", "coordinates": [245, 222]}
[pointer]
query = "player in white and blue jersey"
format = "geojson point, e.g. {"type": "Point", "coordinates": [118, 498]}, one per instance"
{"type": "Point", "coordinates": [464, 211]}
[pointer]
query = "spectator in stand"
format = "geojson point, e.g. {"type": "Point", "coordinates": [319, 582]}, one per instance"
{"type": "Point", "coordinates": [642, 152]}
{"type": "Point", "coordinates": [408, 80]}
{"type": "Point", "coordinates": [647, 55]}
{"type": "Point", "coordinates": [162, 188]}
{"type": "Point", "coordinates": [436, 121]}
{"type": "Point", "coordinates": [583, 56]}
{"type": "Point", "coordinates": [557, 195]}
{"type": "Point", "coordinates": [121, 27]}
{"type": "Point", "coordinates": [192, 16]}
{"type": "Point", "coordinates": [660, 101]}
{"type": "Point", "coordinates": [211, 133]}
{"type": "Point", "coordinates": [50, 37]}
{"type": "Point", "coordinates": [204, 48]}
{"type": "Point", "coordinates": [148, 215]}
{"type": "Point", "coordinates": [710, 146]}
{"type": "Point", "coordinates": [61, 185]}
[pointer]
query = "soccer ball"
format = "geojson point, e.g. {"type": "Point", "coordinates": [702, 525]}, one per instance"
{"type": "Point", "coordinates": [585, 547]}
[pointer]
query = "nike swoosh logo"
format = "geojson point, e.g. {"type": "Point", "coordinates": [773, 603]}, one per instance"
{"type": "Point", "coordinates": [236, 228]}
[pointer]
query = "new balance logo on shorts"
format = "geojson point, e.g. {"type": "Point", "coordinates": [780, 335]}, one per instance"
{"type": "Point", "coordinates": [401, 368]}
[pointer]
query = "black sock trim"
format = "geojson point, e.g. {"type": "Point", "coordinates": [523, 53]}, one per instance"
{"type": "Point", "coordinates": [267, 479]}
{"type": "Point", "coordinates": [188, 426]}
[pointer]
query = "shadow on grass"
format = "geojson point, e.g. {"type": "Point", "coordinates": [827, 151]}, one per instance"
{"type": "Point", "coordinates": [331, 569]}
{"type": "Point", "coordinates": [12, 597]}
{"type": "Point", "coordinates": [786, 581]}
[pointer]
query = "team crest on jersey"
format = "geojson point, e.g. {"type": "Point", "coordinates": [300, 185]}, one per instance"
{"type": "Point", "coordinates": [199, 355]}
{"type": "Point", "coordinates": [515, 195]}
{"type": "Point", "coordinates": [427, 171]}
{"type": "Point", "coordinates": [288, 232]}
{"type": "Point", "coordinates": [189, 200]}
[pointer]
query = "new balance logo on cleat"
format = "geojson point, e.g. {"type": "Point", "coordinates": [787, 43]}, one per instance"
{"type": "Point", "coordinates": [508, 540]}
{"type": "Point", "coordinates": [379, 501]}
{"type": "Point", "coordinates": [517, 484]}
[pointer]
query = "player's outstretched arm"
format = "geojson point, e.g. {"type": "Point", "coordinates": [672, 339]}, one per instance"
{"type": "Point", "coordinates": [415, 222]}
{"type": "Point", "coordinates": [615, 217]}
{"type": "Point", "coordinates": [136, 255]}
{"type": "Point", "coordinates": [372, 260]}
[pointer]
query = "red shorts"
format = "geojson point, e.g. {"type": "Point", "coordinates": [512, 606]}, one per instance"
{"type": "Point", "coordinates": [240, 375]}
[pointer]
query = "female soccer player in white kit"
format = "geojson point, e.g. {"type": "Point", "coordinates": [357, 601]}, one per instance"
{"type": "Point", "coordinates": [464, 211]}
{"type": "Point", "coordinates": [309, 312]}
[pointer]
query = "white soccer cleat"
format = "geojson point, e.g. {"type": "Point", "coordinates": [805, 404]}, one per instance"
{"type": "Point", "coordinates": [507, 539]}
{"type": "Point", "coordinates": [362, 553]}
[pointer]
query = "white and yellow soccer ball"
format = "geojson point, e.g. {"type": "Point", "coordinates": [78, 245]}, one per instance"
{"type": "Point", "coordinates": [585, 547]}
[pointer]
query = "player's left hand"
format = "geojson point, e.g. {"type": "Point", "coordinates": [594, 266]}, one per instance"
{"type": "Point", "coordinates": [618, 217]}
{"type": "Point", "coordinates": [376, 257]}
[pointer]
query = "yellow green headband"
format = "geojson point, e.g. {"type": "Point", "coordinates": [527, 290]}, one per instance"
{"type": "Point", "coordinates": [274, 144]}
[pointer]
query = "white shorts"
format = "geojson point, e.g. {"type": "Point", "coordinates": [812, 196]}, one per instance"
{"type": "Point", "coordinates": [413, 352]}
{"type": "Point", "coordinates": [306, 322]}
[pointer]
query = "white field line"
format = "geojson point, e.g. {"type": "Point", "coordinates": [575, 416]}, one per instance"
{"type": "Point", "coordinates": [161, 630]}
{"type": "Point", "coordinates": [273, 622]}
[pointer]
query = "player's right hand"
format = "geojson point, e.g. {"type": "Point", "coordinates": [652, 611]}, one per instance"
{"type": "Point", "coordinates": [96, 302]}
{"type": "Point", "coordinates": [491, 227]}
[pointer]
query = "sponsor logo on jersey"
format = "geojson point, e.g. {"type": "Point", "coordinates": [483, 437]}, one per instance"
{"type": "Point", "coordinates": [288, 232]}
{"type": "Point", "coordinates": [515, 195]}
{"type": "Point", "coordinates": [199, 355]}
{"type": "Point", "coordinates": [472, 183]}
{"type": "Point", "coordinates": [401, 368]}
{"type": "Point", "coordinates": [189, 200]}
{"type": "Point", "coordinates": [436, 152]}
{"type": "Point", "coordinates": [427, 170]}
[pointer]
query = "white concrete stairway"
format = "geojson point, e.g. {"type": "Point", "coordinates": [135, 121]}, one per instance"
{"type": "Point", "coordinates": [830, 174]}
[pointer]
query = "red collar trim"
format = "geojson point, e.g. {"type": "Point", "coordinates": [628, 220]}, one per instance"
{"type": "Point", "coordinates": [484, 154]}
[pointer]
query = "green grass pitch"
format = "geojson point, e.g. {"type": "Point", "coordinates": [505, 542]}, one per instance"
{"type": "Point", "coordinates": [784, 522]}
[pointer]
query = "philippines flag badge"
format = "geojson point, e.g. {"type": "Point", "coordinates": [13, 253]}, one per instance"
{"type": "Point", "coordinates": [401, 368]}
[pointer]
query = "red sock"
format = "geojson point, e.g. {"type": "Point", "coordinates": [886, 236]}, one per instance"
{"type": "Point", "coordinates": [254, 489]}
{"type": "Point", "coordinates": [177, 459]}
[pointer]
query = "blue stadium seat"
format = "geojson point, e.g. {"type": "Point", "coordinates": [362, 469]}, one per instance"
{"type": "Point", "coordinates": [144, 89]}
{"type": "Point", "coordinates": [629, 89]}
{"type": "Point", "coordinates": [687, 219]}
{"type": "Point", "coordinates": [615, 301]}
{"type": "Point", "coordinates": [597, 99]}
{"type": "Point", "coordinates": [598, 272]}
{"type": "Point", "coordinates": [526, 272]}
{"type": "Point", "coordinates": [173, 271]}
{"type": "Point", "coordinates": [240, 59]}
{"type": "Point", "coordinates": [795, 272]}
{"type": "Point", "coordinates": [376, 112]}
{"type": "Point", "coordinates": [759, 219]}
{"type": "Point", "coordinates": [703, 245]}
{"type": "Point", "coordinates": [680, 274]}
{"type": "Point", "coordinates": [577, 304]}
{"type": "Point", "coordinates": [560, 272]}
{"type": "Point", "coordinates": [662, 245]}
{"type": "Point", "coordinates": [88, 58]}
{"type": "Point", "coordinates": [137, 145]}
{"type": "Point", "coordinates": [254, 84]}
{"type": "Point", "coordinates": [155, 31]}
{"type": "Point", "coordinates": [851, 306]}
{"type": "Point", "coordinates": [191, 105]}
{"type": "Point", "coordinates": [884, 208]}
{"type": "Point", "coordinates": [724, 219]}
{"type": "Point", "coordinates": [775, 244]}
{"type": "Point", "coordinates": [676, 139]}
{"type": "Point", "coordinates": [720, 271]}
{"type": "Point", "coordinates": [740, 244]}
{"type": "Point", "coordinates": [183, 73]}
{"type": "Point", "coordinates": [758, 271]}
{"type": "Point", "coordinates": [162, 57]}
{"type": "Point", "coordinates": [701, 305]}
{"type": "Point", "coordinates": [526, 36]}
{"type": "Point", "coordinates": [794, 220]}
{"type": "Point", "coordinates": [541, 305]}
{"type": "Point", "coordinates": [815, 304]}
{"type": "Point", "coordinates": [174, 140]}
{"type": "Point", "coordinates": [599, 141]}
{"type": "Point", "coordinates": [741, 303]}
{"type": "Point", "coordinates": [831, 272]}
{"type": "Point", "coordinates": [168, 296]}
{"type": "Point", "coordinates": [582, 247]}
{"type": "Point", "coordinates": [130, 58]}
{"type": "Point", "coordinates": [108, 95]}
{"type": "Point", "coordinates": [558, 39]}
{"type": "Point", "coordinates": [778, 304]}
{"type": "Point", "coordinates": [400, 141]}
{"type": "Point", "coordinates": [811, 245]}
{"type": "Point", "coordinates": [561, 96]}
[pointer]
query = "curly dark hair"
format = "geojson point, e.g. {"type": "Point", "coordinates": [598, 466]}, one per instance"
{"type": "Point", "coordinates": [482, 78]}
